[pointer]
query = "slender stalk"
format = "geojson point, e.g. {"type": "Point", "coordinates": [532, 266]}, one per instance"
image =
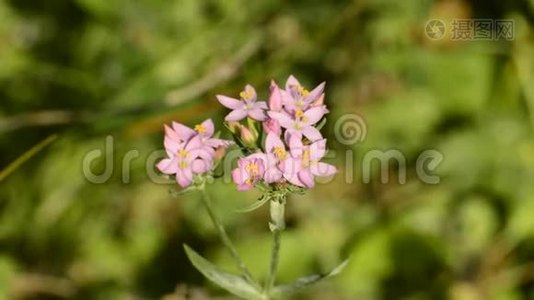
{"type": "Point", "coordinates": [225, 239]}
{"type": "Point", "coordinates": [277, 210]}
{"type": "Point", "coordinates": [275, 254]}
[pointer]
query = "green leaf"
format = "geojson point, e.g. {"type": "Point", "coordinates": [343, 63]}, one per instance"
{"type": "Point", "coordinates": [321, 124]}
{"type": "Point", "coordinates": [230, 282]}
{"type": "Point", "coordinates": [174, 192]}
{"type": "Point", "coordinates": [254, 205]}
{"type": "Point", "coordinates": [303, 282]}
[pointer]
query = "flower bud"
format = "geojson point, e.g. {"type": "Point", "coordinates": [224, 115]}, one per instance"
{"type": "Point", "coordinates": [275, 98]}
{"type": "Point", "coordinates": [247, 136]}
{"type": "Point", "coordinates": [219, 153]}
{"type": "Point", "coordinates": [272, 125]}
{"type": "Point", "coordinates": [233, 126]}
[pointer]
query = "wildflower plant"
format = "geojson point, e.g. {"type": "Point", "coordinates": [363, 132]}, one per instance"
{"type": "Point", "coordinates": [281, 151]}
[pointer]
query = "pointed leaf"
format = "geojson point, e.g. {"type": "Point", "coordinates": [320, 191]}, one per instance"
{"type": "Point", "coordinates": [321, 124]}
{"type": "Point", "coordinates": [174, 192]}
{"type": "Point", "coordinates": [230, 282]}
{"type": "Point", "coordinates": [254, 205]}
{"type": "Point", "coordinates": [304, 282]}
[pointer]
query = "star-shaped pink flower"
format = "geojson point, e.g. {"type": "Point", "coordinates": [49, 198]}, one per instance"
{"type": "Point", "coordinates": [247, 106]}
{"type": "Point", "coordinates": [304, 163]}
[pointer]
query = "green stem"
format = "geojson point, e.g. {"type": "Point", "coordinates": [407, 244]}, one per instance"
{"type": "Point", "coordinates": [277, 209]}
{"type": "Point", "coordinates": [225, 239]}
{"type": "Point", "coordinates": [275, 254]}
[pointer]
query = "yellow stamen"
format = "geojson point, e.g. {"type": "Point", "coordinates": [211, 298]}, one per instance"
{"type": "Point", "coordinates": [304, 92]}
{"type": "Point", "coordinates": [246, 94]}
{"type": "Point", "coordinates": [252, 169]}
{"type": "Point", "coordinates": [182, 153]}
{"type": "Point", "coordinates": [183, 164]}
{"type": "Point", "coordinates": [306, 157]}
{"type": "Point", "coordinates": [200, 128]}
{"type": "Point", "coordinates": [299, 115]}
{"type": "Point", "coordinates": [280, 153]}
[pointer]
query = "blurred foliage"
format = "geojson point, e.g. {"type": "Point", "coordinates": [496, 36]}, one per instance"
{"type": "Point", "coordinates": [86, 69]}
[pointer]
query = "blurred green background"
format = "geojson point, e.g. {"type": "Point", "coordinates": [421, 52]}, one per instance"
{"type": "Point", "coordinates": [86, 69]}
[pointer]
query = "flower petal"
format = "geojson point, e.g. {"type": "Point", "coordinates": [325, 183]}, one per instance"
{"type": "Point", "coordinates": [314, 114]}
{"type": "Point", "coordinates": [172, 146]}
{"type": "Point", "coordinates": [295, 145]}
{"type": "Point", "coordinates": [167, 166]}
{"type": "Point", "coordinates": [318, 149]}
{"type": "Point", "coordinates": [206, 153]}
{"type": "Point", "coordinates": [306, 178]}
{"type": "Point", "coordinates": [184, 177]}
{"type": "Point", "coordinates": [236, 115]}
{"type": "Point", "coordinates": [273, 141]}
{"type": "Point", "coordinates": [272, 175]}
{"type": "Point", "coordinates": [290, 167]}
{"type": "Point", "coordinates": [183, 132]}
{"type": "Point", "coordinates": [208, 125]}
{"type": "Point", "coordinates": [275, 97]}
{"type": "Point", "coordinates": [311, 133]}
{"type": "Point", "coordinates": [257, 114]}
{"type": "Point", "coordinates": [282, 118]}
{"type": "Point", "coordinates": [194, 143]}
{"type": "Point", "coordinates": [291, 81]}
{"type": "Point", "coordinates": [200, 166]}
{"type": "Point", "coordinates": [170, 133]}
{"type": "Point", "coordinates": [287, 99]}
{"type": "Point", "coordinates": [322, 169]}
{"type": "Point", "coordinates": [230, 103]}
{"type": "Point", "coordinates": [236, 176]}
{"type": "Point", "coordinates": [261, 105]}
{"type": "Point", "coordinates": [315, 93]}
{"type": "Point", "coordinates": [272, 125]}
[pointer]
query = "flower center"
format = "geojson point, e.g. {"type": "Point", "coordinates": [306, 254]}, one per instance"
{"type": "Point", "coordinates": [299, 115]}
{"type": "Point", "coordinates": [183, 164]}
{"type": "Point", "coordinates": [246, 95]}
{"type": "Point", "coordinates": [182, 153]}
{"type": "Point", "coordinates": [200, 128]}
{"type": "Point", "coordinates": [302, 91]}
{"type": "Point", "coordinates": [252, 168]}
{"type": "Point", "coordinates": [280, 153]}
{"type": "Point", "coordinates": [306, 157]}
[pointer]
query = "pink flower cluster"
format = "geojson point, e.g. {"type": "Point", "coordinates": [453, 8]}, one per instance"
{"type": "Point", "coordinates": [293, 145]}
{"type": "Point", "coordinates": [190, 151]}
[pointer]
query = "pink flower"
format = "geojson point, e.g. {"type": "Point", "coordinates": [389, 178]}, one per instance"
{"type": "Point", "coordinates": [190, 151]}
{"type": "Point", "coordinates": [205, 130]}
{"type": "Point", "coordinates": [248, 172]}
{"type": "Point", "coordinates": [276, 153]}
{"type": "Point", "coordinates": [185, 159]}
{"type": "Point", "coordinates": [248, 106]}
{"type": "Point", "coordinates": [300, 122]}
{"type": "Point", "coordinates": [304, 163]}
{"type": "Point", "coordinates": [297, 97]}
